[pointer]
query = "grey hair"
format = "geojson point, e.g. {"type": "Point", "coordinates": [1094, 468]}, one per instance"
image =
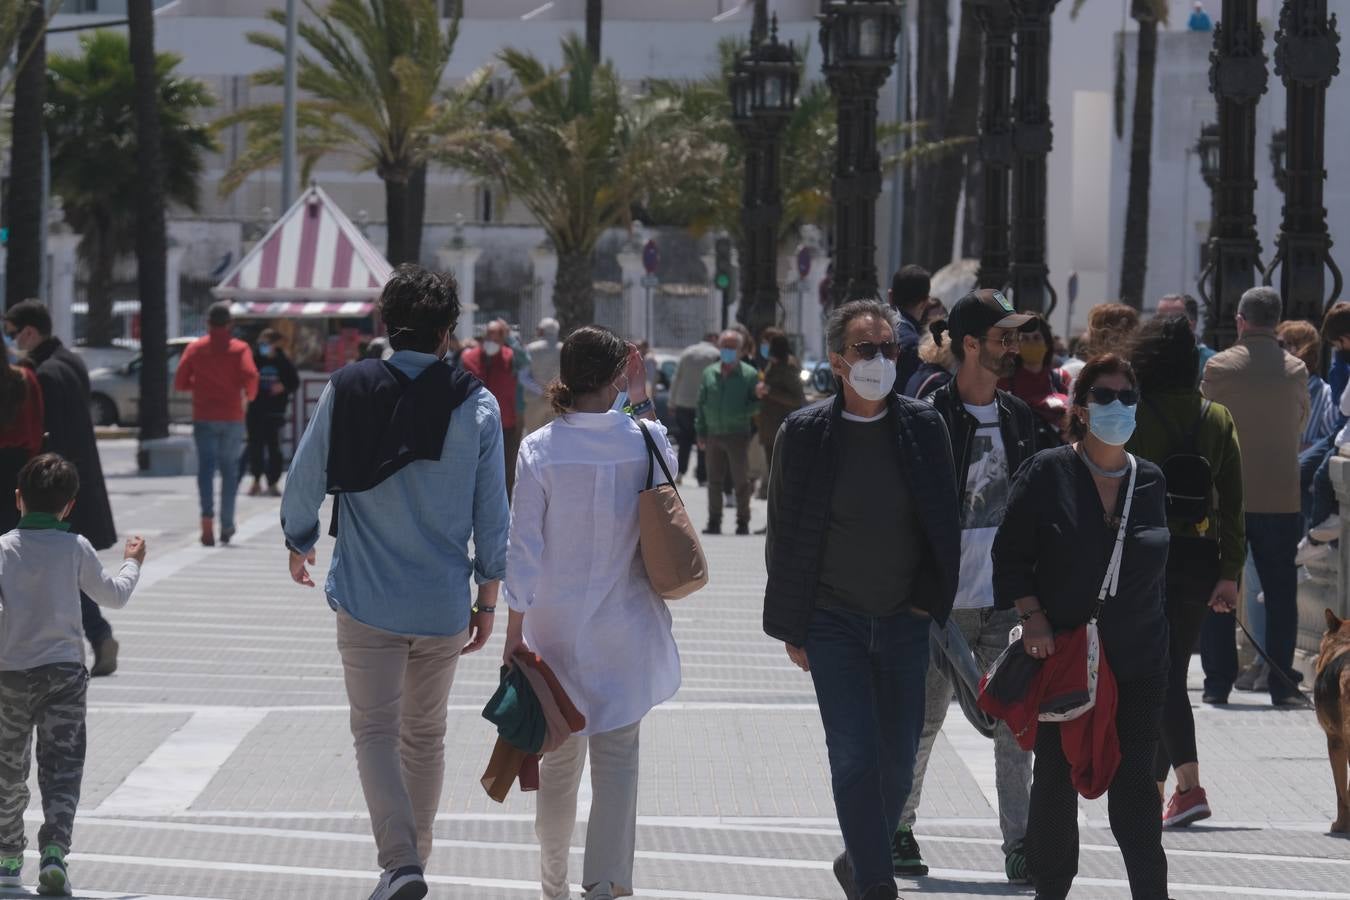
{"type": "Point", "coordinates": [1261, 307]}
{"type": "Point", "coordinates": [836, 330]}
{"type": "Point", "coordinates": [731, 332]}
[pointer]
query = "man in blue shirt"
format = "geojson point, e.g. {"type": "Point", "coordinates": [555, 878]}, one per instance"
{"type": "Point", "coordinates": [412, 450]}
{"type": "Point", "coordinates": [1199, 20]}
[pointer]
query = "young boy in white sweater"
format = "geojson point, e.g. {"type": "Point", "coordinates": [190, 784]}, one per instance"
{"type": "Point", "coordinates": [43, 569]}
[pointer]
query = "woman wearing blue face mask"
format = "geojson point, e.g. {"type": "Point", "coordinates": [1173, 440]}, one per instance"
{"type": "Point", "coordinates": [1050, 556]}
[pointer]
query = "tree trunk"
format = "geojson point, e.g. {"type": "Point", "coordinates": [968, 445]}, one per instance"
{"type": "Point", "coordinates": [417, 207]}
{"type": "Point", "coordinates": [23, 267]}
{"type": "Point", "coordinates": [932, 59]}
{"type": "Point", "coordinates": [151, 241]}
{"type": "Point", "coordinates": [972, 223]}
{"type": "Point", "coordinates": [100, 257]}
{"type": "Point", "coordinates": [594, 19]}
{"type": "Point", "coordinates": [962, 117]}
{"type": "Point", "coordinates": [396, 218]}
{"type": "Point", "coordinates": [1134, 259]}
{"type": "Point", "coordinates": [573, 291]}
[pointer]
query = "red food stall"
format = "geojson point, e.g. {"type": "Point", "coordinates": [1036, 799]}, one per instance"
{"type": "Point", "coordinates": [315, 278]}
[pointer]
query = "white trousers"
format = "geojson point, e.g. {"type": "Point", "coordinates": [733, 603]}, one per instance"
{"type": "Point", "coordinates": [612, 825]}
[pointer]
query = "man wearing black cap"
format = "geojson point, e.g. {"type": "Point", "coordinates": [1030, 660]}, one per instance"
{"type": "Point", "coordinates": [909, 295]}
{"type": "Point", "coordinates": [992, 434]}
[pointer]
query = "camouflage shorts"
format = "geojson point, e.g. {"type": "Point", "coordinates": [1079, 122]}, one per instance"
{"type": "Point", "coordinates": [50, 701]}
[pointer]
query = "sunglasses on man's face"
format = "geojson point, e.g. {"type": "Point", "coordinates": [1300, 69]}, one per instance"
{"type": "Point", "coordinates": [869, 349]}
{"type": "Point", "coordinates": [1104, 395]}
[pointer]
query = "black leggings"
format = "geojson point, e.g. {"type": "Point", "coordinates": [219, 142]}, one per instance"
{"type": "Point", "coordinates": [264, 449]}
{"type": "Point", "coordinates": [1133, 804]}
{"type": "Point", "coordinates": [1177, 747]}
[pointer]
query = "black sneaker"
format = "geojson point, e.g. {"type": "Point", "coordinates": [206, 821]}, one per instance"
{"type": "Point", "coordinates": [1214, 698]}
{"type": "Point", "coordinates": [743, 528]}
{"type": "Point", "coordinates": [906, 859]}
{"type": "Point", "coordinates": [1015, 866]}
{"type": "Point", "coordinates": [843, 873]}
{"type": "Point", "coordinates": [713, 528]}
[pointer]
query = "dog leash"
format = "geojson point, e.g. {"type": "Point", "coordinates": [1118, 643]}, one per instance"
{"type": "Point", "coordinates": [1275, 669]}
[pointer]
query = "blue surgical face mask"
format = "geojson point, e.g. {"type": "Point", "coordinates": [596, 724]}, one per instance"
{"type": "Point", "coordinates": [764, 350]}
{"type": "Point", "coordinates": [265, 349]}
{"type": "Point", "coordinates": [730, 356]}
{"type": "Point", "coordinates": [1113, 423]}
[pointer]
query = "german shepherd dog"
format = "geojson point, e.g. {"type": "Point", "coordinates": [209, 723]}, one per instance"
{"type": "Point", "coordinates": [1331, 693]}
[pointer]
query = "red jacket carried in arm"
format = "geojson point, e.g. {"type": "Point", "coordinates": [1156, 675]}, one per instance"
{"type": "Point", "coordinates": [1090, 742]}
{"type": "Point", "coordinates": [498, 374]}
{"type": "Point", "coordinates": [220, 373]}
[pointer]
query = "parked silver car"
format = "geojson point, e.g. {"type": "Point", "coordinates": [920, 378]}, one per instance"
{"type": "Point", "coordinates": [115, 393]}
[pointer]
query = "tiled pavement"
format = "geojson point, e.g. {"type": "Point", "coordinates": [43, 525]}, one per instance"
{"type": "Point", "coordinates": [220, 765]}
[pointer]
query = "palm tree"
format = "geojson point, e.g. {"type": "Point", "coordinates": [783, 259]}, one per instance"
{"type": "Point", "coordinates": [1134, 259]}
{"type": "Point", "coordinates": [577, 150]}
{"type": "Point", "coordinates": [24, 258]}
{"type": "Point", "coordinates": [91, 131]}
{"type": "Point", "coordinates": [151, 240]}
{"type": "Point", "coordinates": [370, 72]}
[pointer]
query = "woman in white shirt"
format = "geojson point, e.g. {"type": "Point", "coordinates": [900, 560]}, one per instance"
{"type": "Point", "coordinates": [580, 599]}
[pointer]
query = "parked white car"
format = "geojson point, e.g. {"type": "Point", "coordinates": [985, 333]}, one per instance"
{"type": "Point", "coordinates": [115, 392]}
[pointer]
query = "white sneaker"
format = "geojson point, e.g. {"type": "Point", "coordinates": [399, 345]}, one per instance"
{"type": "Point", "coordinates": [1326, 531]}
{"type": "Point", "coordinates": [602, 891]}
{"type": "Point", "coordinates": [1310, 553]}
{"type": "Point", "coordinates": [405, 883]}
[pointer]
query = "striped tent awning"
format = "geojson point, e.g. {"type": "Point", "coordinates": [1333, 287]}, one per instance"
{"type": "Point", "coordinates": [264, 309]}
{"type": "Point", "coordinates": [313, 254]}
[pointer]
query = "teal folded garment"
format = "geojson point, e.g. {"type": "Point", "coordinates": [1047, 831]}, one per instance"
{"type": "Point", "coordinates": [516, 712]}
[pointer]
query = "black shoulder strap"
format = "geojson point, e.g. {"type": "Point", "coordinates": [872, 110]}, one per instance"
{"type": "Point", "coordinates": [654, 455]}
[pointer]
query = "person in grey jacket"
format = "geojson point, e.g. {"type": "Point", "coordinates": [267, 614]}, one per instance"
{"type": "Point", "coordinates": [684, 398]}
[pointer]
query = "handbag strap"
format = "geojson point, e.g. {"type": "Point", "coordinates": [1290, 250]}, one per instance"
{"type": "Point", "coordinates": [654, 455]}
{"type": "Point", "coordinates": [1111, 583]}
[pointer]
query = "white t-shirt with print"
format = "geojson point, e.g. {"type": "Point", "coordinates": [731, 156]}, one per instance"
{"type": "Point", "coordinates": [982, 507]}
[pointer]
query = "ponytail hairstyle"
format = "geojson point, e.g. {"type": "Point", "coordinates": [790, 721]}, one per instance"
{"type": "Point", "coordinates": [937, 329]}
{"type": "Point", "coordinates": [590, 359]}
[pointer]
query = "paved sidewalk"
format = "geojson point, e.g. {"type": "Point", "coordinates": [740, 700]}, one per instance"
{"type": "Point", "coordinates": [220, 764]}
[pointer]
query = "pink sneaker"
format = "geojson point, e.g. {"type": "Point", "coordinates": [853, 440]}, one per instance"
{"type": "Point", "coordinates": [1183, 809]}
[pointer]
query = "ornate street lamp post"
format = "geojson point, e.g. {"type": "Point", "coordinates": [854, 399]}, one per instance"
{"type": "Point", "coordinates": [1237, 79]}
{"type": "Point", "coordinates": [1306, 59]}
{"type": "Point", "coordinates": [763, 95]}
{"type": "Point", "coordinates": [996, 139]}
{"type": "Point", "coordinates": [1207, 151]}
{"type": "Point", "coordinates": [857, 38]}
{"type": "Point", "coordinates": [1031, 142]}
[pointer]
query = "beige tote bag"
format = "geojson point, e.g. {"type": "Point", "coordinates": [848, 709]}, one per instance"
{"type": "Point", "coordinates": [669, 542]}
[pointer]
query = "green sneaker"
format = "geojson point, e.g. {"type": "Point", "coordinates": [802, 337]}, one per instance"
{"type": "Point", "coordinates": [52, 878]}
{"type": "Point", "coordinates": [905, 856]}
{"type": "Point", "coordinates": [11, 871]}
{"type": "Point", "coordinates": [1015, 866]}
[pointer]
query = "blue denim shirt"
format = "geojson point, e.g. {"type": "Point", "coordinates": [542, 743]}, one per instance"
{"type": "Point", "coordinates": [402, 560]}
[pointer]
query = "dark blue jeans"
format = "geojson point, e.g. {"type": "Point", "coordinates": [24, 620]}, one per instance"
{"type": "Point", "coordinates": [869, 676]}
{"type": "Point", "coordinates": [1272, 541]}
{"type": "Point", "coordinates": [1314, 468]}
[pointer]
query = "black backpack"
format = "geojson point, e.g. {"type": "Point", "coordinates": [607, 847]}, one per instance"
{"type": "Point", "coordinates": [1190, 478]}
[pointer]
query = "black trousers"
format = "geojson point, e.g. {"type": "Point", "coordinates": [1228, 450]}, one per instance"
{"type": "Point", "coordinates": [1133, 805]}
{"type": "Point", "coordinates": [687, 438]}
{"type": "Point", "coordinates": [1185, 617]}
{"type": "Point", "coordinates": [264, 448]}
{"type": "Point", "coordinates": [96, 628]}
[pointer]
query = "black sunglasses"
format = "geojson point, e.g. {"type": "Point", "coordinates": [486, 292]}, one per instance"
{"type": "Point", "coordinates": [868, 349]}
{"type": "Point", "coordinates": [1104, 395]}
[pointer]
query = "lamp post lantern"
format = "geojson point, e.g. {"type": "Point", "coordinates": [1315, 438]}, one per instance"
{"type": "Point", "coordinates": [763, 93]}
{"type": "Point", "coordinates": [996, 138]}
{"type": "Point", "coordinates": [857, 39]}
{"type": "Point", "coordinates": [1237, 79]}
{"type": "Point", "coordinates": [1306, 59]}
{"type": "Point", "coordinates": [1029, 276]}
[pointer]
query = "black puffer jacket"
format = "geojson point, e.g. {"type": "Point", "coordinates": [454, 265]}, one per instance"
{"type": "Point", "coordinates": [804, 458]}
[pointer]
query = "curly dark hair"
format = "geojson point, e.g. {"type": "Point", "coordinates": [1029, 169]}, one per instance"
{"type": "Point", "coordinates": [418, 307]}
{"type": "Point", "coordinates": [1106, 364]}
{"type": "Point", "coordinates": [1165, 357]}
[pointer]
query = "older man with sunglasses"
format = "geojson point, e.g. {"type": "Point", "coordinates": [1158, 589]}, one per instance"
{"type": "Point", "coordinates": [863, 551]}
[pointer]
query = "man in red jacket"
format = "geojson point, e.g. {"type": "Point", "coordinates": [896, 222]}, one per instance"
{"type": "Point", "coordinates": [492, 362]}
{"type": "Point", "coordinates": [218, 369]}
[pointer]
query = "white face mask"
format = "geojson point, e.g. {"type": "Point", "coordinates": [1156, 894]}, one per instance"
{"type": "Point", "coordinates": [491, 348]}
{"type": "Point", "coordinates": [873, 378]}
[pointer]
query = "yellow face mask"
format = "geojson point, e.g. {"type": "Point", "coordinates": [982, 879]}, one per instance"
{"type": "Point", "coordinates": [1033, 353]}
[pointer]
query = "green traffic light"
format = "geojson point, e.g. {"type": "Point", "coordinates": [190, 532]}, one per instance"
{"type": "Point", "coordinates": [723, 281]}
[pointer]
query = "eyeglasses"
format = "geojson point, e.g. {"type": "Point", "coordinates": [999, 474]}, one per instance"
{"type": "Point", "coordinates": [1007, 342]}
{"type": "Point", "coordinates": [1104, 395]}
{"type": "Point", "coordinates": [868, 349]}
